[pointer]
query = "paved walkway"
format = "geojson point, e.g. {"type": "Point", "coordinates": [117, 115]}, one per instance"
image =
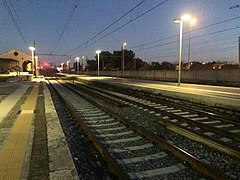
{"type": "Point", "coordinates": [32, 143]}
{"type": "Point", "coordinates": [13, 151]}
{"type": "Point", "coordinates": [7, 104]}
{"type": "Point", "coordinates": [221, 96]}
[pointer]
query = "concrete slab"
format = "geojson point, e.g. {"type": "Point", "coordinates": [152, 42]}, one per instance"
{"type": "Point", "coordinates": [8, 103]}
{"type": "Point", "coordinates": [13, 152]}
{"type": "Point", "coordinates": [61, 165]}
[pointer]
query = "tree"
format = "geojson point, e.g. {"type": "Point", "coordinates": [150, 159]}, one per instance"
{"type": "Point", "coordinates": [155, 65]}
{"type": "Point", "coordinates": [129, 59]}
{"type": "Point", "coordinates": [129, 56]}
{"type": "Point", "coordinates": [104, 60]}
{"type": "Point", "coordinates": [141, 65]}
{"type": "Point", "coordinates": [91, 65]}
{"type": "Point", "coordinates": [116, 59]}
{"type": "Point", "coordinates": [167, 65]}
{"type": "Point", "coordinates": [113, 61]}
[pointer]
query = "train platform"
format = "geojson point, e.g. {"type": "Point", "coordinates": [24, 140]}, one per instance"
{"type": "Point", "coordinates": [32, 143]}
{"type": "Point", "coordinates": [220, 96]}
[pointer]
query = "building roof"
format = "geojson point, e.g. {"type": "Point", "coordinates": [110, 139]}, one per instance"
{"type": "Point", "coordinates": [16, 54]}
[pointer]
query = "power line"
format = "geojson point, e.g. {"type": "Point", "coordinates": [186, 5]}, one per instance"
{"type": "Point", "coordinates": [211, 25]}
{"type": "Point", "coordinates": [161, 39]}
{"type": "Point", "coordinates": [196, 52]}
{"type": "Point", "coordinates": [177, 35]}
{"type": "Point", "coordinates": [15, 12]}
{"type": "Point", "coordinates": [169, 52]}
{"type": "Point", "coordinates": [130, 21]}
{"type": "Point", "coordinates": [194, 37]}
{"type": "Point", "coordinates": [115, 30]}
{"type": "Point", "coordinates": [208, 45]}
{"type": "Point", "coordinates": [14, 21]}
{"type": "Point", "coordinates": [65, 26]}
{"type": "Point", "coordinates": [103, 30]}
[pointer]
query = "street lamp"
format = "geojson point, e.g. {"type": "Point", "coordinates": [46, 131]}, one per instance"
{"type": "Point", "coordinates": [36, 65]}
{"type": "Point", "coordinates": [62, 65]}
{"type": "Point", "coordinates": [77, 64]}
{"type": "Point", "coordinates": [83, 57]}
{"type": "Point", "coordinates": [68, 62]}
{"type": "Point", "coordinates": [123, 56]}
{"type": "Point", "coordinates": [185, 17]}
{"type": "Point", "coordinates": [33, 63]}
{"type": "Point", "coordinates": [98, 52]}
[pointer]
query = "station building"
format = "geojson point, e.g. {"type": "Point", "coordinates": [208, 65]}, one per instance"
{"type": "Point", "coordinates": [15, 60]}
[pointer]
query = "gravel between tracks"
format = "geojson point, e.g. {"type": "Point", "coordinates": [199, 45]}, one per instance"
{"type": "Point", "coordinates": [185, 172]}
{"type": "Point", "coordinates": [84, 157]}
{"type": "Point", "coordinates": [151, 122]}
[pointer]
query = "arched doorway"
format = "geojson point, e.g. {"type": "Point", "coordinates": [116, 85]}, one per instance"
{"type": "Point", "coordinates": [27, 66]}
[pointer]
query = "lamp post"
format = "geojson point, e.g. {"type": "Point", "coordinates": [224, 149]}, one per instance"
{"type": "Point", "coordinates": [68, 64]}
{"type": "Point", "coordinates": [33, 63]}
{"type": "Point", "coordinates": [62, 65]}
{"type": "Point", "coordinates": [82, 62]}
{"type": "Point", "coordinates": [36, 66]}
{"type": "Point", "coordinates": [77, 64]}
{"type": "Point", "coordinates": [123, 56]}
{"type": "Point", "coordinates": [185, 17]}
{"type": "Point", "coordinates": [98, 52]}
{"type": "Point", "coordinates": [239, 49]}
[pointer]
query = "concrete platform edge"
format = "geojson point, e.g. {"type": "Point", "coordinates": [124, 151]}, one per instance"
{"type": "Point", "coordinates": [61, 165]}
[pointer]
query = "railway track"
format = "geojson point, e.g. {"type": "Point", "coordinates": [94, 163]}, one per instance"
{"type": "Point", "coordinates": [203, 135]}
{"type": "Point", "coordinates": [214, 130]}
{"type": "Point", "coordinates": [137, 152]}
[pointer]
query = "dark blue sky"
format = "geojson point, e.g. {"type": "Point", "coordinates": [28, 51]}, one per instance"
{"type": "Point", "coordinates": [152, 36]}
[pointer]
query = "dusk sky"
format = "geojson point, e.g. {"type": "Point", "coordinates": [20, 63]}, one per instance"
{"type": "Point", "coordinates": [80, 27]}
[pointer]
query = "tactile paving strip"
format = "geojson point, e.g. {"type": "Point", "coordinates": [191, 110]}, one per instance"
{"type": "Point", "coordinates": [13, 151]}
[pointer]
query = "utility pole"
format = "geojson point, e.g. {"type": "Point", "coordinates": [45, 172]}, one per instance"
{"type": "Point", "coordinates": [234, 7]}
{"type": "Point", "coordinates": [239, 49]}
{"type": "Point", "coordinates": [123, 58]}
{"type": "Point", "coordinates": [34, 54]}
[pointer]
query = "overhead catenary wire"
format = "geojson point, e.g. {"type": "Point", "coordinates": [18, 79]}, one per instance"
{"type": "Point", "coordinates": [122, 26]}
{"type": "Point", "coordinates": [16, 24]}
{"type": "Point", "coordinates": [210, 43]}
{"type": "Point", "coordinates": [210, 46]}
{"type": "Point", "coordinates": [194, 37]}
{"type": "Point", "coordinates": [103, 30]}
{"type": "Point", "coordinates": [141, 46]}
{"type": "Point", "coordinates": [144, 13]}
{"type": "Point", "coordinates": [65, 25]}
{"type": "Point", "coordinates": [14, 12]}
{"type": "Point", "coordinates": [177, 35]}
{"type": "Point", "coordinates": [196, 50]}
{"type": "Point", "coordinates": [173, 36]}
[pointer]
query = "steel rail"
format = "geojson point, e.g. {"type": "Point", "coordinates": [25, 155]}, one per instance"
{"type": "Point", "coordinates": [209, 141]}
{"type": "Point", "coordinates": [104, 97]}
{"type": "Point", "coordinates": [194, 123]}
{"type": "Point", "coordinates": [194, 162]}
{"type": "Point", "coordinates": [112, 164]}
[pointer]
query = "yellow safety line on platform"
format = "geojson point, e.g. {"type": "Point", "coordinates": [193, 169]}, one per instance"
{"type": "Point", "coordinates": [13, 151]}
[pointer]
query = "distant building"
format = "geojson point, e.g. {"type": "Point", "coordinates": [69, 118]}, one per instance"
{"type": "Point", "coordinates": [231, 66]}
{"type": "Point", "coordinates": [15, 60]}
{"type": "Point", "coordinates": [217, 65]}
{"type": "Point", "coordinates": [213, 65]}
